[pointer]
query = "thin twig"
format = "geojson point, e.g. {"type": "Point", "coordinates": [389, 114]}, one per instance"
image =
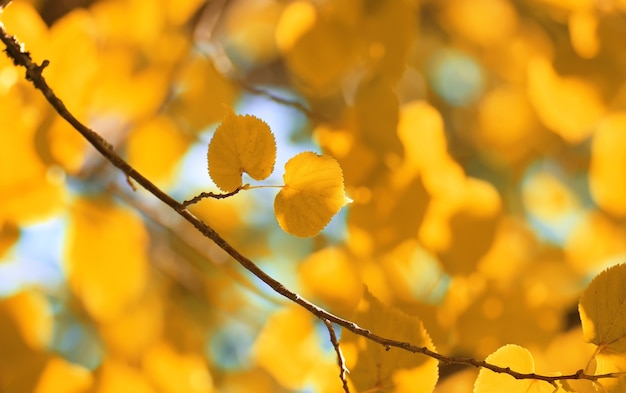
{"type": "Point", "coordinates": [204, 195]}
{"type": "Point", "coordinates": [281, 100]}
{"type": "Point", "coordinates": [34, 74]}
{"type": "Point", "coordinates": [341, 361]}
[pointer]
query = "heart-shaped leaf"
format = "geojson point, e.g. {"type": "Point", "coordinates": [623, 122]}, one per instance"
{"type": "Point", "coordinates": [242, 143]}
{"type": "Point", "coordinates": [312, 195]}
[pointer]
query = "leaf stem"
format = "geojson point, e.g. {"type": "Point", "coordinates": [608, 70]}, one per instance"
{"type": "Point", "coordinates": [266, 186]}
{"type": "Point", "coordinates": [204, 195]}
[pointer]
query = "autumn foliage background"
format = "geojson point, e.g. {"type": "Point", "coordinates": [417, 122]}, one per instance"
{"type": "Point", "coordinates": [482, 143]}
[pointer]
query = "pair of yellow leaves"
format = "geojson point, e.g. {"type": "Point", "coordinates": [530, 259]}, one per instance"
{"type": "Point", "coordinates": [313, 191]}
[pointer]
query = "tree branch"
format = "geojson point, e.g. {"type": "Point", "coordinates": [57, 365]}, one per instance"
{"type": "Point", "coordinates": [22, 58]}
{"type": "Point", "coordinates": [341, 361]}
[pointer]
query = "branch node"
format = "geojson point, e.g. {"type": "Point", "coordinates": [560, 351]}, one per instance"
{"type": "Point", "coordinates": [43, 65]}
{"type": "Point", "coordinates": [130, 182]}
{"type": "Point", "coordinates": [35, 71]}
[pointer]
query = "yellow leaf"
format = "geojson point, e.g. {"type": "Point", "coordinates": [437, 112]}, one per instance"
{"type": "Point", "coordinates": [137, 329]}
{"type": "Point", "coordinates": [421, 131]}
{"type": "Point", "coordinates": [508, 125]}
{"type": "Point", "coordinates": [297, 18]}
{"type": "Point", "coordinates": [318, 45]}
{"type": "Point", "coordinates": [289, 330]}
{"type": "Point", "coordinates": [107, 262]}
{"type": "Point", "coordinates": [594, 240]}
{"type": "Point", "coordinates": [394, 370]}
{"type": "Point", "coordinates": [607, 172]}
{"type": "Point", "coordinates": [375, 117]}
{"type": "Point", "coordinates": [117, 376]}
{"type": "Point", "coordinates": [518, 359]}
{"type": "Point", "coordinates": [159, 136]}
{"type": "Point", "coordinates": [65, 146]}
{"type": "Point", "coordinates": [74, 87]}
{"type": "Point", "coordinates": [330, 275]}
{"type": "Point", "coordinates": [583, 30]}
{"type": "Point", "coordinates": [26, 322]}
{"type": "Point", "coordinates": [241, 144]}
{"type": "Point", "coordinates": [389, 32]}
{"type": "Point", "coordinates": [467, 20]}
{"type": "Point", "coordinates": [413, 273]}
{"type": "Point", "coordinates": [602, 305]}
{"type": "Point", "coordinates": [566, 105]}
{"type": "Point", "coordinates": [148, 90]}
{"type": "Point", "coordinates": [251, 28]}
{"type": "Point", "coordinates": [25, 331]}
{"type": "Point", "coordinates": [249, 380]}
{"type": "Point", "coordinates": [62, 376]}
{"type": "Point", "coordinates": [171, 371]}
{"type": "Point", "coordinates": [111, 18]}
{"type": "Point", "coordinates": [312, 195]}
{"type": "Point", "coordinates": [608, 361]}
{"type": "Point", "coordinates": [472, 227]}
{"type": "Point", "coordinates": [23, 21]}
{"type": "Point", "coordinates": [199, 81]}
{"type": "Point", "coordinates": [178, 12]}
{"type": "Point", "coordinates": [27, 191]}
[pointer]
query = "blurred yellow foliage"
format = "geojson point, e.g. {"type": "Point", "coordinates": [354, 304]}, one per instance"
{"type": "Point", "coordinates": [26, 329]}
{"type": "Point", "coordinates": [593, 241]}
{"type": "Point", "coordinates": [250, 29]}
{"type": "Point", "coordinates": [61, 376]}
{"type": "Point", "coordinates": [377, 368]}
{"type": "Point", "coordinates": [192, 106]}
{"type": "Point", "coordinates": [331, 276]}
{"type": "Point", "coordinates": [607, 172]}
{"type": "Point", "coordinates": [508, 125]}
{"type": "Point", "coordinates": [567, 106]}
{"type": "Point", "coordinates": [296, 19]}
{"type": "Point", "coordinates": [481, 145]}
{"type": "Point", "coordinates": [29, 314]}
{"type": "Point", "coordinates": [158, 137]}
{"type": "Point", "coordinates": [138, 328]}
{"type": "Point", "coordinates": [583, 27]}
{"type": "Point", "coordinates": [107, 279]}
{"type": "Point", "coordinates": [174, 372]}
{"type": "Point", "coordinates": [468, 20]}
{"type": "Point", "coordinates": [114, 376]}
{"type": "Point", "coordinates": [289, 329]}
